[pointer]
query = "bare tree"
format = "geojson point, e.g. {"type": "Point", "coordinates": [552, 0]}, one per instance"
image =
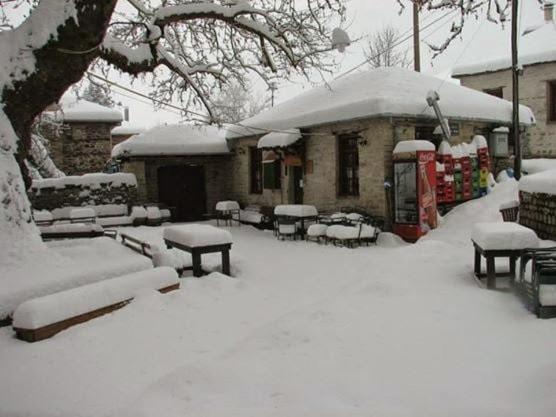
{"type": "Point", "coordinates": [191, 47]}
{"type": "Point", "coordinates": [238, 102]}
{"type": "Point", "coordinates": [381, 49]}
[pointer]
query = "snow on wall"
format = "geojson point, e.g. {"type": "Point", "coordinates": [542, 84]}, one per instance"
{"type": "Point", "coordinates": [381, 92]}
{"type": "Point", "coordinates": [79, 110]}
{"type": "Point", "coordinates": [543, 182]}
{"type": "Point", "coordinates": [174, 140]}
{"type": "Point", "coordinates": [92, 180]}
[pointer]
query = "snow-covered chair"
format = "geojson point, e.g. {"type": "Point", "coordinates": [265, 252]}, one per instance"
{"type": "Point", "coordinates": [510, 211]}
{"type": "Point", "coordinates": [154, 217]}
{"type": "Point", "coordinates": [138, 215]}
{"type": "Point", "coordinates": [286, 228]}
{"type": "Point", "coordinates": [536, 283]}
{"type": "Point", "coordinates": [316, 232]}
{"type": "Point", "coordinates": [228, 212]}
{"type": "Point", "coordinates": [43, 317]}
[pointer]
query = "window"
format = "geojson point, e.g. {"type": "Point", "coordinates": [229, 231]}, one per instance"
{"type": "Point", "coordinates": [271, 174]}
{"type": "Point", "coordinates": [256, 168]}
{"type": "Point", "coordinates": [496, 92]}
{"type": "Point", "coordinates": [405, 198]}
{"type": "Point", "coordinates": [349, 164]}
{"type": "Point", "coordinates": [551, 101]}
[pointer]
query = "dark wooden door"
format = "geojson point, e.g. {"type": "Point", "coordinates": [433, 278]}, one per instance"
{"type": "Point", "coordinates": [183, 187]}
{"type": "Point", "coordinates": [297, 184]}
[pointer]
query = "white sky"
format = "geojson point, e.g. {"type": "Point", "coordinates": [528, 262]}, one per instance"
{"type": "Point", "coordinates": [480, 40]}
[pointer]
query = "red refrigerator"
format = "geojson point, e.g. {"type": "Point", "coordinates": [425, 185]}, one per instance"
{"type": "Point", "coordinates": [414, 189]}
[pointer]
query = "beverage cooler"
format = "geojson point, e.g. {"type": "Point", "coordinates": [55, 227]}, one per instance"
{"type": "Point", "coordinates": [414, 189]}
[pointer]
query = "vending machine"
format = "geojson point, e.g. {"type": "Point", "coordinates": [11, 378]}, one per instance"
{"type": "Point", "coordinates": [414, 189]}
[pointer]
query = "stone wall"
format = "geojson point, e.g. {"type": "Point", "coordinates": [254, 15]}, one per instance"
{"type": "Point", "coordinates": [50, 198]}
{"type": "Point", "coordinates": [540, 140]}
{"type": "Point", "coordinates": [538, 212]}
{"type": "Point", "coordinates": [217, 171]}
{"type": "Point", "coordinates": [82, 147]}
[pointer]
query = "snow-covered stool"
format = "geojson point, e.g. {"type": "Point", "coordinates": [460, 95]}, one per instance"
{"type": "Point", "coordinates": [198, 239]}
{"type": "Point", "coordinates": [154, 217]}
{"type": "Point", "coordinates": [83, 215]}
{"type": "Point", "coordinates": [317, 232]}
{"type": "Point", "coordinates": [43, 317]}
{"type": "Point", "coordinates": [500, 240]}
{"type": "Point", "coordinates": [228, 212]}
{"type": "Point", "coordinates": [537, 281]}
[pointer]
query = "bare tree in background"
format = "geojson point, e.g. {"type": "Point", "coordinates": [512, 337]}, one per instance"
{"type": "Point", "coordinates": [238, 102]}
{"type": "Point", "coordinates": [381, 50]}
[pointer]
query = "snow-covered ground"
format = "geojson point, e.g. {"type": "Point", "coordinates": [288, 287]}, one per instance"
{"type": "Point", "coordinates": [303, 330]}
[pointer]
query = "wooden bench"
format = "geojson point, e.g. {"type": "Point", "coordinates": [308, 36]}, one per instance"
{"type": "Point", "coordinates": [137, 245]}
{"type": "Point", "coordinates": [198, 240]}
{"type": "Point", "coordinates": [43, 317]}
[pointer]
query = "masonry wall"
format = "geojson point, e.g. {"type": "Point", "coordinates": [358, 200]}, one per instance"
{"type": "Point", "coordinates": [82, 147]}
{"type": "Point", "coordinates": [538, 212]}
{"type": "Point", "coordinates": [540, 140]}
{"type": "Point", "coordinates": [217, 171]}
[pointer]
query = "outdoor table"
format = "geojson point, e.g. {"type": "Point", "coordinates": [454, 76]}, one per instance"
{"type": "Point", "coordinates": [199, 239]}
{"type": "Point", "coordinates": [226, 210]}
{"type": "Point", "coordinates": [500, 240]}
{"type": "Point", "coordinates": [298, 212]}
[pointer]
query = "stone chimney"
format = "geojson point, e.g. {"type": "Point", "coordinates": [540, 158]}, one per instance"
{"type": "Point", "coordinates": [548, 11]}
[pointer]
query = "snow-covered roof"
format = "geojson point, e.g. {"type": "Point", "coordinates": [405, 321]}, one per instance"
{"type": "Point", "coordinates": [73, 110]}
{"type": "Point", "coordinates": [381, 92]}
{"type": "Point", "coordinates": [279, 139]}
{"type": "Point", "coordinates": [174, 140]}
{"type": "Point", "coordinates": [536, 46]}
{"type": "Point", "coordinates": [127, 129]}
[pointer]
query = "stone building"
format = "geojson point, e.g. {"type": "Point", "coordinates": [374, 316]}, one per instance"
{"type": "Point", "coordinates": [83, 144]}
{"type": "Point", "coordinates": [332, 146]}
{"type": "Point", "coordinates": [182, 166]}
{"type": "Point", "coordinates": [124, 132]}
{"type": "Point", "coordinates": [537, 56]}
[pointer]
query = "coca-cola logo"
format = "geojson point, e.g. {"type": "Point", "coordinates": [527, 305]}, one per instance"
{"type": "Point", "coordinates": [425, 158]}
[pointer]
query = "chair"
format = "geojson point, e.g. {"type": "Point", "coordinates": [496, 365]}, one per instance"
{"type": "Point", "coordinates": [286, 228]}
{"type": "Point", "coordinates": [536, 285]}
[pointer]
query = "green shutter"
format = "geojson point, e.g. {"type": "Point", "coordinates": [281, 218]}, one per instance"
{"type": "Point", "coordinates": [271, 175]}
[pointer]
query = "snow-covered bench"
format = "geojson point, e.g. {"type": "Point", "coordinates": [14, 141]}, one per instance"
{"type": "Point", "coordinates": [41, 318]}
{"type": "Point", "coordinates": [71, 231]}
{"type": "Point", "coordinates": [198, 239]}
{"type": "Point", "coordinates": [500, 240]}
{"type": "Point", "coordinates": [351, 236]}
{"type": "Point", "coordinates": [43, 217]}
{"type": "Point", "coordinates": [83, 215]}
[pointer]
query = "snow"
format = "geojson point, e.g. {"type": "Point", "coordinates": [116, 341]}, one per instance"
{"type": "Point", "coordinates": [532, 166]}
{"type": "Point", "coordinates": [127, 129]}
{"type": "Point", "coordinates": [445, 148]}
{"type": "Point", "coordinates": [535, 47]}
{"type": "Point", "coordinates": [382, 92]}
{"type": "Point", "coordinates": [505, 235]}
{"type": "Point", "coordinates": [110, 209]}
{"type": "Point", "coordinates": [295, 210]}
{"type": "Point", "coordinates": [195, 235]}
{"type": "Point", "coordinates": [138, 212]}
{"type": "Point", "coordinates": [316, 230]}
{"type": "Point", "coordinates": [79, 110]}
{"type": "Point", "coordinates": [227, 205]}
{"type": "Point", "coordinates": [542, 182]}
{"type": "Point", "coordinates": [42, 216]}
{"type": "Point", "coordinates": [480, 141]}
{"type": "Point", "coordinates": [174, 140]}
{"type": "Point", "coordinates": [410, 146]}
{"type": "Point", "coordinates": [53, 308]}
{"type": "Point", "coordinates": [509, 204]}
{"type": "Point", "coordinates": [92, 180]}
{"type": "Point", "coordinates": [279, 139]}
{"type": "Point", "coordinates": [114, 221]}
{"type": "Point", "coordinates": [65, 264]}
{"type": "Point", "coordinates": [304, 330]}
{"type": "Point", "coordinates": [249, 216]}
{"type": "Point", "coordinates": [153, 213]}
{"type": "Point", "coordinates": [82, 213]}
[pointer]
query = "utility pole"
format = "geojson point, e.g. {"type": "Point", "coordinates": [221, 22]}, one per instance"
{"type": "Point", "coordinates": [515, 96]}
{"type": "Point", "coordinates": [273, 86]}
{"type": "Point", "coordinates": [416, 39]}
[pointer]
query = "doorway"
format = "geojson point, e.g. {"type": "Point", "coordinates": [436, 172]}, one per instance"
{"type": "Point", "coordinates": [297, 172]}
{"type": "Point", "coordinates": [182, 187]}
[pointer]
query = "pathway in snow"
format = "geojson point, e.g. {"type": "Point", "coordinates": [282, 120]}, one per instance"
{"type": "Point", "coordinates": [304, 330]}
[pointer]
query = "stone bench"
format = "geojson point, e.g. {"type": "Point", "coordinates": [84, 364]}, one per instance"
{"type": "Point", "coordinates": [43, 317]}
{"type": "Point", "coordinates": [199, 239]}
{"type": "Point", "coordinates": [500, 240]}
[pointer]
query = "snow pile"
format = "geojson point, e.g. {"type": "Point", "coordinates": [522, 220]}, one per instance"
{"type": "Point", "coordinates": [383, 92]}
{"type": "Point", "coordinates": [153, 213]}
{"type": "Point", "coordinates": [138, 212]}
{"type": "Point", "coordinates": [115, 221]}
{"type": "Point", "coordinates": [66, 264]}
{"type": "Point", "coordinates": [82, 213]}
{"type": "Point", "coordinates": [42, 216]}
{"type": "Point", "coordinates": [92, 180]}
{"type": "Point", "coordinates": [279, 139]}
{"type": "Point", "coordinates": [317, 230]}
{"type": "Point", "coordinates": [195, 235]}
{"type": "Point", "coordinates": [509, 205]}
{"type": "Point", "coordinates": [50, 309]}
{"type": "Point", "coordinates": [174, 140]}
{"type": "Point", "coordinates": [412, 146]}
{"type": "Point", "coordinates": [71, 228]}
{"type": "Point", "coordinates": [543, 182]}
{"type": "Point", "coordinates": [79, 110]}
{"type": "Point", "coordinates": [535, 47]}
{"type": "Point", "coordinates": [532, 166]}
{"type": "Point", "coordinates": [295, 210]}
{"type": "Point", "coordinates": [106, 210]}
{"type": "Point", "coordinates": [504, 235]}
{"type": "Point", "coordinates": [127, 129]}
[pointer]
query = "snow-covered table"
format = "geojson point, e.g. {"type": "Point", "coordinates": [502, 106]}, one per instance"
{"type": "Point", "coordinates": [227, 211]}
{"type": "Point", "coordinates": [198, 239]}
{"type": "Point", "coordinates": [500, 240]}
{"type": "Point", "coordinates": [301, 212]}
